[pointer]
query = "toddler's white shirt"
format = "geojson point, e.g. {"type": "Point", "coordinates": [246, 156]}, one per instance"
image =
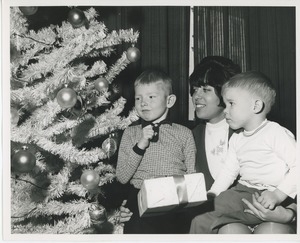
{"type": "Point", "coordinates": [265, 159]}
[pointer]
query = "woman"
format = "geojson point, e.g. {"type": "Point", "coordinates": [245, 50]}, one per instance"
{"type": "Point", "coordinates": [212, 133]}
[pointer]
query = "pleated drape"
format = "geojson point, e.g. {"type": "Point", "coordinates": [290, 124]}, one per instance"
{"type": "Point", "coordinates": [257, 38]}
{"type": "Point", "coordinates": [219, 31]}
{"type": "Point", "coordinates": [165, 38]}
{"type": "Point", "coordinates": [272, 50]}
{"type": "Point", "coordinates": [163, 42]}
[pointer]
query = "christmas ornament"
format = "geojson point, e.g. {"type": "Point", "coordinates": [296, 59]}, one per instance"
{"type": "Point", "coordinates": [66, 97]}
{"type": "Point", "coordinates": [14, 116]}
{"type": "Point", "coordinates": [28, 10]}
{"type": "Point", "coordinates": [97, 214]}
{"type": "Point", "coordinates": [77, 18]}
{"type": "Point", "coordinates": [79, 109]}
{"type": "Point", "coordinates": [90, 179]}
{"type": "Point", "coordinates": [23, 161]}
{"type": "Point", "coordinates": [133, 54]}
{"type": "Point", "coordinates": [109, 146]}
{"type": "Point", "coordinates": [101, 84]}
{"type": "Point", "coordinates": [14, 53]}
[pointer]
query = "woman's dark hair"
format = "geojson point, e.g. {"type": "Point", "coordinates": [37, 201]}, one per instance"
{"type": "Point", "coordinates": [213, 71]}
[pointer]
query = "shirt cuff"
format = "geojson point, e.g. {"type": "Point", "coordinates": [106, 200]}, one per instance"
{"type": "Point", "coordinates": [138, 151]}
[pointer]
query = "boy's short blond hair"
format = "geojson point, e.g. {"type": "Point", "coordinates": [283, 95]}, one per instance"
{"type": "Point", "coordinates": [257, 83]}
{"type": "Point", "coordinates": [153, 76]}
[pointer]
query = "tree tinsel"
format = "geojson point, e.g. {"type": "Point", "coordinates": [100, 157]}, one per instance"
{"type": "Point", "coordinates": [65, 141]}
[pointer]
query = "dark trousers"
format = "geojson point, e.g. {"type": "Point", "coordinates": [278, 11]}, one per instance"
{"type": "Point", "coordinates": [228, 208]}
{"type": "Point", "coordinates": [167, 223]}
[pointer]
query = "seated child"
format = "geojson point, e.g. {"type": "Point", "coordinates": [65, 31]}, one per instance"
{"type": "Point", "coordinates": [263, 155]}
{"type": "Point", "coordinates": [155, 148]}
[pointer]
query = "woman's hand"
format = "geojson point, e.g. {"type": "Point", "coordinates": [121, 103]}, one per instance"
{"type": "Point", "coordinates": [279, 214]}
{"type": "Point", "coordinates": [125, 213]}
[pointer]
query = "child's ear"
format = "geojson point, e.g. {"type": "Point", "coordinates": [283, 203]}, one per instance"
{"type": "Point", "coordinates": [171, 99]}
{"type": "Point", "coordinates": [259, 106]}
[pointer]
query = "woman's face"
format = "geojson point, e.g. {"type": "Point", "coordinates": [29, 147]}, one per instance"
{"type": "Point", "coordinates": [206, 104]}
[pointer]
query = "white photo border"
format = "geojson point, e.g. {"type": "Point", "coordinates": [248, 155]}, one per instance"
{"type": "Point", "coordinates": [5, 133]}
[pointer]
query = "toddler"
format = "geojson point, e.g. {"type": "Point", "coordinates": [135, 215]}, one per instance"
{"type": "Point", "coordinates": [263, 155]}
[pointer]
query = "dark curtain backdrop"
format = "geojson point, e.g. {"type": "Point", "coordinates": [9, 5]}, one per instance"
{"type": "Point", "coordinates": [220, 31]}
{"type": "Point", "coordinates": [257, 38]}
{"type": "Point", "coordinates": [164, 44]}
{"type": "Point", "coordinates": [271, 48]}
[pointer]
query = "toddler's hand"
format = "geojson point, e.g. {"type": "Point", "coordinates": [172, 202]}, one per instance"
{"type": "Point", "coordinates": [271, 199]}
{"type": "Point", "coordinates": [148, 133]}
{"type": "Point", "coordinates": [267, 199]}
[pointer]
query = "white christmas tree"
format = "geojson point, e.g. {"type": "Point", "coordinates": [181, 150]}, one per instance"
{"type": "Point", "coordinates": [58, 105]}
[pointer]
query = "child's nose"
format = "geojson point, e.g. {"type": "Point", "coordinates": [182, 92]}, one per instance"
{"type": "Point", "coordinates": [225, 111]}
{"type": "Point", "coordinates": [144, 103]}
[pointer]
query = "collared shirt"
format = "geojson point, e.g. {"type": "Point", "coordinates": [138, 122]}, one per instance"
{"type": "Point", "coordinates": [173, 154]}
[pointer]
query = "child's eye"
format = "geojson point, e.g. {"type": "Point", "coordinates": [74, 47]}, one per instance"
{"type": "Point", "coordinates": [151, 96]}
{"type": "Point", "coordinates": [229, 103]}
{"type": "Point", "coordinates": [137, 98]}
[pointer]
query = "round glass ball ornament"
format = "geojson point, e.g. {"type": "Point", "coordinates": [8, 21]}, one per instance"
{"type": "Point", "coordinates": [97, 214]}
{"type": "Point", "coordinates": [109, 145]}
{"type": "Point", "coordinates": [28, 10]}
{"type": "Point", "coordinates": [66, 98]}
{"type": "Point", "coordinates": [133, 54]}
{"type": "Point", "coordinates": [76, 18]}
{"type": "Point", "coordinates": [90, 179]}
{"type": "Point", "coordinates": [23, 161]}
{"type": "Point", "coordinates": [101, 84]}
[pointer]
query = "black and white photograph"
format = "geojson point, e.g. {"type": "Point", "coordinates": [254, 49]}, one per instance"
{"type": "Point", "coordinates": [150, 121]}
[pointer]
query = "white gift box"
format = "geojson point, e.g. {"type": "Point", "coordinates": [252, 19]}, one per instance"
{"type": "Point", "coordinates": [163, 194]}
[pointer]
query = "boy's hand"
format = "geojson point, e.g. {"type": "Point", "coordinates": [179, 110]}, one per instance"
{"type": "Point", "coordinates": [125, 213]}
{"type": "Point", "coordinates": [271, 199]}
{"type": "Point", "coordinates": [148, 133]}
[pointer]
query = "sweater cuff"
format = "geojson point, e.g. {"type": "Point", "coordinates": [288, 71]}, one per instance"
{"type": "Point", "coordinates": [138, 151]}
